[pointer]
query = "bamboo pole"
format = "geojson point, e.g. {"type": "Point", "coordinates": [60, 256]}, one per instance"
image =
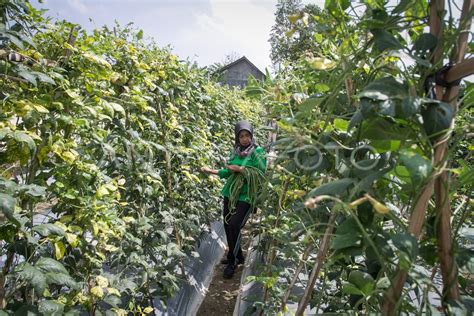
{"type": "Point", "coordinates": [320, 258]}
{"type": "Point", "coordinates": [443, 203]}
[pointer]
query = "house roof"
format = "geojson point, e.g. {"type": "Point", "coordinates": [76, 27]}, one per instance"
{"type": "Point", "coordinates": [242, 59]}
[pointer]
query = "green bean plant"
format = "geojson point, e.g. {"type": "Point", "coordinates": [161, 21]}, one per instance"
{"type": "Point", "coordinates": [372, 187]}
{"type": "Point", "coordinates": [102, 135]}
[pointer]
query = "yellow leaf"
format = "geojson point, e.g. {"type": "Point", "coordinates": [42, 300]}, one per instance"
{"type": "Point", "coordinates": [68, 156]}
{"type": "Point", "coordinates": [96, 59]}
{"type": "Point", "coordinates": [66, 218]}
{"type": "Point", "coordinates": [305, 19]}
{"type": "Point", "coordinates": [321, 63]}
{"type": "Point", "coordinates": [72, 239]}
{"type": "Point", "coordinates": [101, 281]}
{"type": "Point", "coordinates": [293, 18]}
{"type": "Point", "coordinates": [95, 228]}
{"type": "Point", "coordinates": [59, 250]}
{"type": "Point", "coordinates": [290, 32]}
{"type": "Point", "coordinates": [76, 229]}
{"type": "Point", "coordinates": [69, 46]}
{"type": "Point", "coordinates": [100, 255]}
{"type": "Point", "coordinates": [148, 310]}
{"type": "Point", "coordinates": [40, 109]}
{"type": "Point", "coordinates": [110, 187]}
{"type": "Point", "coordinates": [113, 291]}
{"type": "Point", "coordinates": [59, 224]}
{"type": "Point", "coordinates": [120, 312]}
{"type": "Point", "coordinates": [101, 191]}
{"type": "Point", "coordinates": [191, 177]}
{"type": "Point", "coordinates": [128, 219]}
{"type": "Point", "coordinates": [97, 291]}
{"type": "Point", "coordinates": [110, 248]}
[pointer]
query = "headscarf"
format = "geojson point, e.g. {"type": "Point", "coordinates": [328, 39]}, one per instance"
{"type": "Point", "coordinates": [240, 150]}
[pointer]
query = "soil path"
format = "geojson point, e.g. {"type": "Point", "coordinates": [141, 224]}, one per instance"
{"type": "Point", "coordinates": [222, 294]}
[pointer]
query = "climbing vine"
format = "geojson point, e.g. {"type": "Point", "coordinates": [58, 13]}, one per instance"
{"type": "Point", "coordinates": [101, 137]}
{"type": "Point", "coordinates": [371, 191]}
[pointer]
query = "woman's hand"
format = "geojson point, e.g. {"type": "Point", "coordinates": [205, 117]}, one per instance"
{"type": "Point", "coordinates": [235, 168]}
{"type": "Point", "coordinates": [206, 170]}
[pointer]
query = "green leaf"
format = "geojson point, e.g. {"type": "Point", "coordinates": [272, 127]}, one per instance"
{"type": "Point", "coordinates": [385, 88]}
{"type": "Point", "coordinates": [33, 276]}
{"type": "Point", "coordinates": [384, 40]}
{"type": "Point", "coordinates": [8, 232]}
{"type": "Point", "coordinates": [50, 265]}
{"type": "Point", "coordinates": [419, 167]}
{"type": "Point", "coordinates": [61, 279]}
{"type": "Point", "coordinates": [49, 229]}
{"type": "Point", "coordinates": [47, 307]}
{"type": "Point", "coordinates": [382, 129]}
{"type": "Point", "coordinates": [345, 241]}
{"type": "Point", "coordinates": [321, 87]}
{"type": "Point", "coordinates": [348, 288]}
{"type": "Point", "coordinates": [382, 146]}
{"type": "Point", "coordinates": [22, 137]}
{"type": "Point", "coordinates": [43, 77]}
{"type": "Point", "coordinates": [425, 42]}
{"type": "Point", "coordinates": [382, 97]}
{"type": "Point", "coordinates": [355, 120]}
{"type": "Point", "coordinates": [310, 103]}
{"type": "Point", "coordinates": [4, 132]}
{"type": "Point", "coordinates": [34, 190]}
{"type": "Point", "coordinates": [409, 107]}
{"type": "Point", "coordinates": [335, 188]}
{"type": "Point", "coordinates": [437, 117]}
{"type": "Point", "coordinates": [383, 283]}
{"type": "Point", "coordinates": [363, 281]}
{"type": "Point", "coordinates": [341, 124]}
{"type": "Point", "coordinates": [336, 7]}
{"type": "Point", "coordinates": [349, 226]}
{"type": "Point", "coordinates": [7, 207]}
{"type": "Point", "coordinates": [113, 300]}
{"type": "Point", "coordinates": [15, 40]}
{"type": "Point", "coordinates": [117, 108]}
{"type": "Point", "coordinates": [407, 244]}
{"type": "Point", "coordinates": [140, 35]}
{"type": "Point", "coordinates": [28, 76]}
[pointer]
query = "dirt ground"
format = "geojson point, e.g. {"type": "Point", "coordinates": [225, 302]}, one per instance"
{"type": "Point", "coordinates": [222, 294]}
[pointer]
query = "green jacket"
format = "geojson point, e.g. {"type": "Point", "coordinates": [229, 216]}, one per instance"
{"type": "Point", "coordinates": [256, 159]}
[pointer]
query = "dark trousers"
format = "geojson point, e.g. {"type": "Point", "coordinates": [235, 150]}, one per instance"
{"type": "Point", "coordinates": [232, 225]}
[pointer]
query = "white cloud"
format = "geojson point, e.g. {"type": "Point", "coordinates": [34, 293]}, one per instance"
{"type": "Point", "coordinates": [203, 30]}
{"type": "Point", "coordinates": [231, 26]}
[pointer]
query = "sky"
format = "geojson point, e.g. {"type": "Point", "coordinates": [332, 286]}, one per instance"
{"type": "Point", "coordinates": [203, 31]}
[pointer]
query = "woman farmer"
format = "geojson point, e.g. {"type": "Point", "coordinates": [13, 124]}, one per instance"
{"type": "Point", "coordinates": [244, 173]}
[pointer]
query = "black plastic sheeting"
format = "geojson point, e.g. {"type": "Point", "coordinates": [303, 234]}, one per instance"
{"type": "Point", "coordinates": [252, 289]}
{"type": "Point", "coordinates": [199, 272]}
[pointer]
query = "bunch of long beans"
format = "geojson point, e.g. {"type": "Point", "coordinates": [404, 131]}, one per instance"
{"type": "Point", "coordinates": [255, 179]}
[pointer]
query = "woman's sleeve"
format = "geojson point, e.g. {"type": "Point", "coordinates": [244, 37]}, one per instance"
{"type": "Point", "coordinates": [260, 159]}
{"type": "Point", "coordinates": [224, 173]}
